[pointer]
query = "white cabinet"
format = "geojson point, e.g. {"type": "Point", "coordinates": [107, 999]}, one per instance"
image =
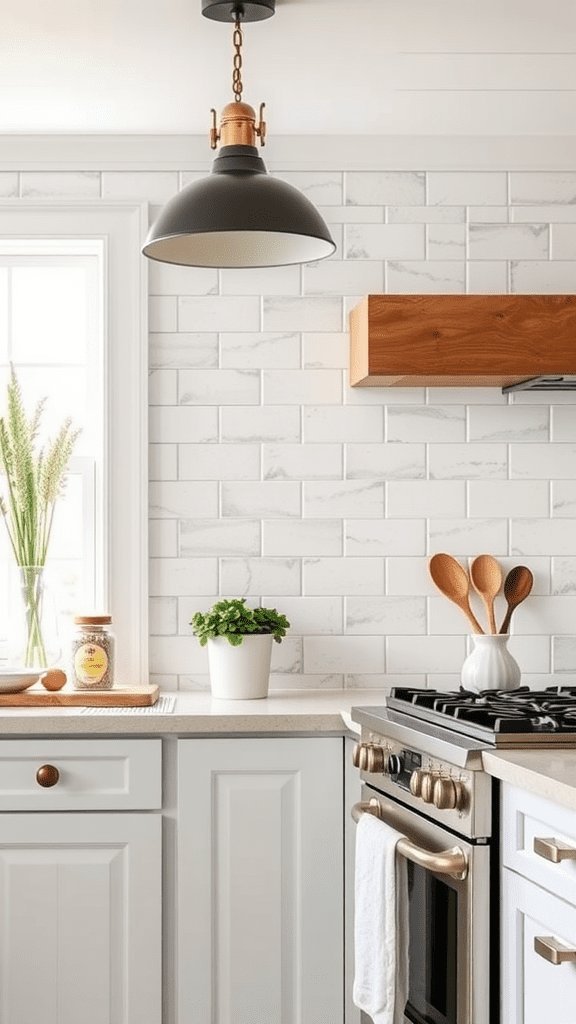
{"type": "Point", "coordinates": [538, 910]}
{"type": "Point", "coordinates": [260, 881]}
{"type": "Point", "coordinates": [80, 915]}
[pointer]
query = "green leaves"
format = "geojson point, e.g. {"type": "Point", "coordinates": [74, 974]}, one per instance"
{"type": "Point", "coordinates": [34, 480]}
{"type": "Point", "coordinates": [231, 618]}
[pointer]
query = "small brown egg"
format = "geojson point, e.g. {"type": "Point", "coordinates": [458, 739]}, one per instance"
{"type": "Point", "coordinates": [54, 679]}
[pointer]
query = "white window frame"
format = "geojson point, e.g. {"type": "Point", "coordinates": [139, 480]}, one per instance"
{"type": "Point", "coordinates": [121, 228]}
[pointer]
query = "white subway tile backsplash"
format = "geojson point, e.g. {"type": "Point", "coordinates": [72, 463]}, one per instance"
{"type": "Point", "coordinates": [301, 537]}
{"type": "Point", "coordinates": [493, 215]}
{"type": "Point", "coordinates": [564, 654]}
{"type": "Point", "coordinates": [219, 462]}
{"type": "Point", "coordinates": [564, 576]}
{"type": "Point", "coordinates": [325, 499]}
{"type": "Point", "coordinates": [218, 313]}
{"type": "Point", "coordinates": [508, 423]}
{"type": "Point", "coordinates": [310, 616]}
{"type": "Point", "coordinates": [243, 576]}
{"type": "Point", "coordinates": [308, 313]}
{"type": "Point", "coordinates": [542, 536]}
{"type": "Point", "coordinates": [542, 187]}
{"type": "Point", "coordinates": [170, 424]}
{"type": "Point", "coordinates": [553, 214]}
{"type": "Point", "coordinates": [266, 499]}
{"type": "Point", "coordinates": [287, 660]}
{"type": "Point", "coordinates": [260, 351]}
{"type": "Point", "coordinates": [356, 654]}
{"type": "Point", "coordinates": [426, 276]}
{"type": "Point", "coordinates": [471, 188]}
{"type": "Point", "coordinates": [384, 241]}
{"type": "Point", "coordinates": [325, 350]}
{"type": "Point", "coordinates": [542, 277]}
{"type": "Point", "coordinates": [548, 615]}
{"type": "Point", "coordinates": [175, 500]}
{"type": "Point", "coordinates": [162, 387]}
{"type": "Point", "coordinates": [432, 498]}
{"type": "Point", "coordinates": [508, 241]}
{"type": "Point", "coordinates": [486, 277]}
{"type": "Point", "coordinates": [395, 616]}
{"type": "Point", "coordinates": [178, 655]}
{"type": "Point", "coordinates": [323, 576]}
{"type": "Point", "coordinates": [385, 188]}
{"type": "Point", "coordinates": [564, 498]}
{"type": "Point", "coordinates": [162, 462]}
{"type": "Point", "coordinates": [163, 313]}
{"type": "Point", "coordinates": [163, 616]}
{"type": "Point", "coordinates": [219, 537]}
{"type": "Point", "coordinates": [385, 462]}
{"type": "Point", "coordinates": [302, 462]}
{"type": "Point", "coordinates": [468, 461]}
{"type": "Point", "coordinates": [319, 186]}
{"type": "Point", "coordinates": [155, 186]}
{"type": "Point", "coordinates": [259, 424]}
{"type": "Point", "coordinates": [543, 461]}
{"type": "Point", "coordinates": [369, 537]}
{"type": "Point", "coordinates": [563, 422]}
{"type": "Point", "coordinates": [408, 576]}
{"type": "Point", "coordinates": [508, 498]}
{"type": "Point", "coordinates": [219, 387]}
{"type": "Point", "coordinates": [460, 537]}
{"type": "Point", "coordinates": [182, 350]}
{"type": "Point", "coordinates": [360, 423]}
{"type": "Point", "coordinates": [175, 576]}
{"type": "Point", "coordinates": [446, 241]}
{"type": "Point", "coordinates": [426, 423]}
{"type": "Point", "coordinates": [563, 241]}
{"type": "Point", "coordinates": [343, 277]}
{"type": "Point", "coordinates": [48, 184]}
{"type": "Point", "coordinates": [426, 214]}
{"type": "Point", "coordinates": [428, 654]}
{"type": "Point", "coordinates": [169, 279]}
{"type": "Point", "coordinates": [9, 184]}
{"type": "Point", "coordinates": [304, 387]}
{"type": "Point", "coordinates": [163, 538]}
{"type": "Point", "coordinates": [261, 281]}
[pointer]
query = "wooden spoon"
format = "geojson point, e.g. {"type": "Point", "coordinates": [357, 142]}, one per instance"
{"type": "Point", "coordinates": [486, 576]}
{"type": "Point", "coordinates": [453, 581]}
{"type": "Point", "coordinates": [517, 586]}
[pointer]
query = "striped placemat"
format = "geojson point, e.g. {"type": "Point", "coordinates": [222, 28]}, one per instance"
{"type": "Point", "coordinates": [164, 706]}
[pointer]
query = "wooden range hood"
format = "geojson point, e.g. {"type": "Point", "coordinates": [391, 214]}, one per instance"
{"type": "Point", "coordinates": [463, 341]}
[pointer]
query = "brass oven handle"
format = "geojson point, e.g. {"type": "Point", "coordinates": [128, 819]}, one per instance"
{"type": "Point", "coordinates": [552, 950]}
{"type": "Point", "coordinates": [447, 862]}
{"type": "Point", "coordinates": [552, 850]}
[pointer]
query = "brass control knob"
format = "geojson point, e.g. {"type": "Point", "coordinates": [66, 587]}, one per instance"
{"type": "Point", "coordinates": [427, 787]}
{"type": "Point", "coordinates": [47, 775]}
{"type": "Point", "coordinates": [356, 755]}
{"type": "Point", "coordinates": [449, 794]}
{"type": "Point", "coordinates": [416, 782]}
{"type": "Point", "coordinates": [376, 759]}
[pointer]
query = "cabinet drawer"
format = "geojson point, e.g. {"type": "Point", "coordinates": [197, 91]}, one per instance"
{"type": "Point", "coordinates": [90, 775]}
{"type": "Point", "coordinates": [527, 821]}
{"type": "Point", "coordinates": [535, 990]}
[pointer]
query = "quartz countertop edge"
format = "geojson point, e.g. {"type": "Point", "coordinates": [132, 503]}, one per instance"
{"type": "Point", "coordinates": [548, 772]}
{"type": "Point", "coordinates": [306, 712]}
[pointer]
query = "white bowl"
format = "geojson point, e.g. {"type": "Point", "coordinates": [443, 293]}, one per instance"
{"type": "Point", "coordinates": [12, 680]}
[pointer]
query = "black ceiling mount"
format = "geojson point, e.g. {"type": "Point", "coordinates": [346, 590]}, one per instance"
{"type": "Point", "coordinates": [230, 10]}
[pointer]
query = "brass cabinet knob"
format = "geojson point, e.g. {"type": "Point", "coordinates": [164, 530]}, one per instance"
{"type": "Point", "coordinates": [449, 794]}
{"type": "Point", "coordinates": [47, 775]}
{"type": "Point", "coordinates": [356, 755]}
{"type": "Point", "coordinates": [375, 759]}
{"type": "Point", "coordinates": [416, 782]}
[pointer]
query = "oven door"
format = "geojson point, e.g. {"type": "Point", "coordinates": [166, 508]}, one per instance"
{"type": "Point", "coordinates": [449, 925]}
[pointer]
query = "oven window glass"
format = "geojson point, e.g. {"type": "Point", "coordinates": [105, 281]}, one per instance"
{"type": "Point", "coordinates": [433, 920]}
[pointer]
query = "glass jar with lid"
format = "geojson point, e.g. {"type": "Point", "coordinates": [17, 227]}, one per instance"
{"type": "Point", "coordinates": [92, 661]}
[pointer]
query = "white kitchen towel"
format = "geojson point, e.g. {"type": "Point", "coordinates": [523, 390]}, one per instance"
{"type": "Point", "coordinates": [380, 923]}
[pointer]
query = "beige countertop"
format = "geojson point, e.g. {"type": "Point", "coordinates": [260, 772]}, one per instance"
{"type": "Point", "coordinates": [547, 772]}
{"type": "Point", "coordinates": [301, 712]}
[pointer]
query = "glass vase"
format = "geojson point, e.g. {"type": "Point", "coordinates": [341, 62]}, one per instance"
{"type": "Point", "coordinates": [490, 666]}
{"type": "Point", "coordinates": [33, 640]}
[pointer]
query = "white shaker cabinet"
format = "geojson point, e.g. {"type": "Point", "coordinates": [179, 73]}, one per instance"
{"type": "Point", "coordinates": [80, 904]}
{"type": "Point", "coordinates": [538, 910]}
{"type": "Point", "coordinates": [260, 881]}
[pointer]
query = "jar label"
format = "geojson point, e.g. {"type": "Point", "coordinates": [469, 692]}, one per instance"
{"type": "Point", "coordinates": [90, 663]}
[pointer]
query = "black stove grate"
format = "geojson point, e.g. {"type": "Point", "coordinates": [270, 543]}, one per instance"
{"type": "Point", "coordinates": [497, 711]}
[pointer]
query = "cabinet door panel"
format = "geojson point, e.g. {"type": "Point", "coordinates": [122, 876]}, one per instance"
{"type": "Point", "coordinates": [534, 990]}
{"type": "Point", "coordinates": [80, 922]}
{"type": "Point", "coordinates": [260, 881]}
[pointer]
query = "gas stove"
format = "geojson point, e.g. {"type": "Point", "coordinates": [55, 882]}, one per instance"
{"type": "Point", "coordinates": [501, 718]}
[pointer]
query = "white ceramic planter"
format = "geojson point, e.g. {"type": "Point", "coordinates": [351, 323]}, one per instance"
{"type": "Point", "coordinates": [240, 673]}
{"type": "Point", "coordinates": [490, 666]}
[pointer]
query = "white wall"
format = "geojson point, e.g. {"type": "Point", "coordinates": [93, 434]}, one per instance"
{"type": "Point", "coordinates": [271, 478]}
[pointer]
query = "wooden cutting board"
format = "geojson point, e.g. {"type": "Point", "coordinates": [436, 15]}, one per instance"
{"type": "Point", "coordinates": [118, 697]}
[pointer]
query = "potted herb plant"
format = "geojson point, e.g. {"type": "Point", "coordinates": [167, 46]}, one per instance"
{"type": "Point", "coordinates": [239, 643]}
{"type": "Point", "coordinates": [34, 481]}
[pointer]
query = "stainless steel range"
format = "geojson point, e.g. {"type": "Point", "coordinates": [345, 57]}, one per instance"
{"type": "Point", "coordinates": [420, 759]}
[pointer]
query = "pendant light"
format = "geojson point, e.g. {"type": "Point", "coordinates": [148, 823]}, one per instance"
{"type": "Point", "coordinates": [238, 216]}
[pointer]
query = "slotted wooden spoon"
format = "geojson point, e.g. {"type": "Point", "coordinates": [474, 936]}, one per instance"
{"type": "Point", "coordinates": [517, 586]}
{"type": "Point", "coordinates": [486, 576]}
{"type": "Point", "coordinates": [453, 581]}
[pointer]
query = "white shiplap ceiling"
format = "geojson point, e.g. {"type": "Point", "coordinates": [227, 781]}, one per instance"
{"type": "Point", "coordinates": [328, 67]}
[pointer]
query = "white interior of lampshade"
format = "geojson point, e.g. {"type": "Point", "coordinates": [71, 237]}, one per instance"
{"type": "Point", "coordinates": [238, 249]}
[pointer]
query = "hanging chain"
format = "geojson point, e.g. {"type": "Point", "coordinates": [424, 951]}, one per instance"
{"type": "Point", "coordinates": [237, 73]}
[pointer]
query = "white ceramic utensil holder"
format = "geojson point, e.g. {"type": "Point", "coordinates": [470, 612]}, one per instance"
{"type": "Point", "coordinates": [490, 666]}
{"type": "Point", "coordinates": [240, 673]}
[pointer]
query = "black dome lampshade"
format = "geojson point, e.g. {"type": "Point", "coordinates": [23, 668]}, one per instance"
{"type": "Point", "coordinates": [238, 216]}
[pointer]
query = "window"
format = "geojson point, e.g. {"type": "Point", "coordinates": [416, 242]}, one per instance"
{"type": "Point", "coordinates": [72, 322]}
